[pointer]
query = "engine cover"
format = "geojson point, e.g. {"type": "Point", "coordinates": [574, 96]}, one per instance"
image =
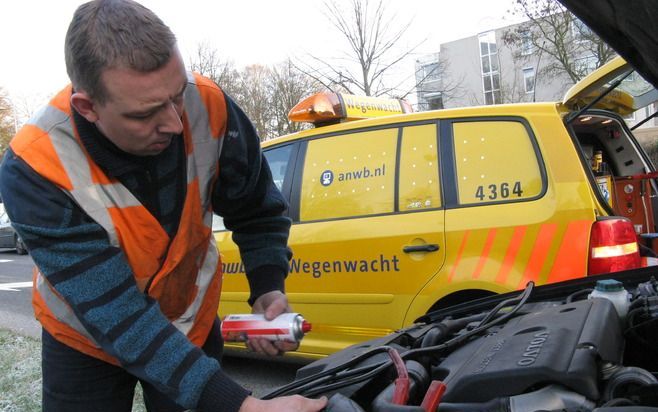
{"type": "Point", "coordinates": [558, 344]}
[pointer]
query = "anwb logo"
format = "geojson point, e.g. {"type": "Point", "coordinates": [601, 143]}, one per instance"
{"type": "Point", "coordinates": [327, 177]}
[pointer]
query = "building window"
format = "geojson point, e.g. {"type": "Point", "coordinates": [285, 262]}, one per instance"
{"type": "Point", "coordinates": [435, 103]}
{"type": "Point", "coordinates": [529, 79]}
{"type": "Point", "coordinates": [428, 82]}
{"type": "Point", "coordinates": [430, 72]}
{"type": "Point", "coordinates": [527, 48]}
{"type": "Point", "coordinates": [585, 65]}
{"type": "Point", "coordinates": [490, 70]}
{"type": "Point", "coordinates": [430, 101]}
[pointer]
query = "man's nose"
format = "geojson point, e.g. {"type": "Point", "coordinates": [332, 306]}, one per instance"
{"type": "Point", "coordinates": [171, 120]}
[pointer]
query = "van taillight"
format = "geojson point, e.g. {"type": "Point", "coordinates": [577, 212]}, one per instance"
{"type": "Point", "coordinates": [613, 247]}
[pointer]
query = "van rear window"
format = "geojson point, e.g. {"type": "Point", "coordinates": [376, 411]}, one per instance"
{"type": "Point", "coordinates": [495, 162]}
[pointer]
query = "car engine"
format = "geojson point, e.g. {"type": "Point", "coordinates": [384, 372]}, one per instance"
{"type": "Point", "coordinates": [560, 347]}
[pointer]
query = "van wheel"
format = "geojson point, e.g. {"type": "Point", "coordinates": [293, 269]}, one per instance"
{"type": "Point", "coordinates": [20, 246]}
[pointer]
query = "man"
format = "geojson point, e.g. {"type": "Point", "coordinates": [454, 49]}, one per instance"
{"type": "Point", "coordinates": [112, 188]}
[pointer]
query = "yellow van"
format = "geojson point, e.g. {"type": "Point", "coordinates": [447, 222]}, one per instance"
{"type": "Point", "coordinates": [400, 214]}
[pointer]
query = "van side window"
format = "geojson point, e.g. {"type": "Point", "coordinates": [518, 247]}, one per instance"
{"type": "Point", "coordinates": [349, 175]}
{"type": "Point", "coordinates": [419, 169]}
{"type": "Point", "coordinates": [278, 160]}
{"type": "Point", "coordinates": [495, 161]}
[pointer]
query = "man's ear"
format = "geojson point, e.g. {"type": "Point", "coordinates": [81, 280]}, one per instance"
{"type": "Point", "coordinates": [83, 104]}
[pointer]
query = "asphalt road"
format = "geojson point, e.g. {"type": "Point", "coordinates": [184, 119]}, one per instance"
{"type": "Point", "coordinates": [260, 375]}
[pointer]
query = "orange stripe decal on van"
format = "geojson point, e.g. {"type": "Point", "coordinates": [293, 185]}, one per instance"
{"type": "Point", "coordinates": [510, 256]}
{"type": "Point", "coordinates": [459, 255]}
{"type": "Point", "coordinates": [485, 253]}
{"type": "Point", "coordinates": [571, 259]}
{"type": "Point", "coordinates": [539, 253]}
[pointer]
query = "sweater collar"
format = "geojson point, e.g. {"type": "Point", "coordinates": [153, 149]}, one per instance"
{"type": "Point", "coordinates": [114, 161]}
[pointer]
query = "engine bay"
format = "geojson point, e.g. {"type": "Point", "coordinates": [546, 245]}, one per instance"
{"type": "Point", "coordinates": [561, 347]}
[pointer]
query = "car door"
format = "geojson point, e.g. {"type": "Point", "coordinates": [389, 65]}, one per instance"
{"type": "Point", "coordinates": [367, 232]}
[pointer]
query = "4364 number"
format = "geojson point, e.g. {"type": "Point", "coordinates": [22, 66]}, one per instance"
{"type": "Point", "coordinates": [499, 191]}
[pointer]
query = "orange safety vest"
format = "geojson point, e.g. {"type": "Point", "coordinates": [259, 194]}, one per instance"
{"type": "Point", "coordinates": [184, 273]}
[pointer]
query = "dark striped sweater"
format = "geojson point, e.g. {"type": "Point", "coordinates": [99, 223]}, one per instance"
{"type": "Point", "coordinates": [74, 254]}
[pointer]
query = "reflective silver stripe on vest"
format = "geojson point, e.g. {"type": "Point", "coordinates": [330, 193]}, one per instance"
{"type": "Point", "coordinates": [59, 308]}
{"type": "Point", "coordinates": [94, 199]}
{"type": "Point", "coordinates": [203, 160]}
{"type": "Point", "coordinates": [202, 164]}
{"type": "Point", "coordinates": [206, 274]}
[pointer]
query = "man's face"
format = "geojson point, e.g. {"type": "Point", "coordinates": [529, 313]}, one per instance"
{"type": "Point", "coordinates": [143, 112]}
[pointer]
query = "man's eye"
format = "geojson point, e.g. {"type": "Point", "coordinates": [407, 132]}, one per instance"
{"type": "Point", "coordinates": [140, 116]}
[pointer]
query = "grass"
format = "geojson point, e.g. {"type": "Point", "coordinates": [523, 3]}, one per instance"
{"type": "Point", "coordinates": [20, 379]}
{"type": "Point", "coordinates": [20, 374]}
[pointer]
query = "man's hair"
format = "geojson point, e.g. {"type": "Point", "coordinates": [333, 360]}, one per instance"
{"type": "Point", "coordinates": [106, 34]}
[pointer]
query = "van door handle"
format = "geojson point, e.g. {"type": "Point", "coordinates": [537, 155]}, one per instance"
{"type": "Point", "coordinates": [430, 247]}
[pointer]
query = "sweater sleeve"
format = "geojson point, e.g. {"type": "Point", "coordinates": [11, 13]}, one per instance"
{"type": "Point", "coordinates": [76, 258]}
{"type": "Point", "coordinates": [251, 205]}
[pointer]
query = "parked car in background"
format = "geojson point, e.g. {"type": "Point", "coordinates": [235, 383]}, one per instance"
{"type": "Point", "coordinates": [402, 214]}
{"type": "Point", "coordinates": [8, 236]}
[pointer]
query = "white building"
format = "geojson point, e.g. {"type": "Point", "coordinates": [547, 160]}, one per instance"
{"type": "Point", "coordinates": [484, 69]}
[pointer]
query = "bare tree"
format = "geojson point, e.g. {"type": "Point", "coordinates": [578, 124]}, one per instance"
{"type": "Point", "coordinates": [511, 90]}
{"type": "Point", "coordinates": [287, 87]}
{"type": "Point", "coordinates": [7, 120]}
{"type": "Point", "coordinates": [208, 62]}
{"type": "Point", "coordinates": [569, 47]}
{"type": "Point", "coordinates": [254, 98]}
{"type": "Point", "coordinates": [437, 80]}
{"type": "Point", "coordinates": [372, 36]}
{"type": "Point", "coordinates": [265, 94]}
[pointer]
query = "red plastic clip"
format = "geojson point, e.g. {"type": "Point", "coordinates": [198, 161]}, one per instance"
{"type": "Point", "coordinates": [433, 396]}
{"type": "Point", "coordinates": [401, 392]}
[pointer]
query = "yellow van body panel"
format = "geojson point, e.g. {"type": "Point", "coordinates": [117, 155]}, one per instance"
{"type": "Point", "coordinates": [364, 265]}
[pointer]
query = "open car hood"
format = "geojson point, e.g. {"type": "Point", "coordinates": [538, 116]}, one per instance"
{"type": "Point", "coordinates": [629, 27]}
{"type": "Point", "coordinates": [630, 91]}
{"type": "Point", "coordinates": [551, 348]}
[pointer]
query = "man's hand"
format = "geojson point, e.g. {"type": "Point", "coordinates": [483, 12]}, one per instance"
{"type": "Point", "coordinates": [295, 403]}
{"type": "Point", "coordinates": [272, 304]}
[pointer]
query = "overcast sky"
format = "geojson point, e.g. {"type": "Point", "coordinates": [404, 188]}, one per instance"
{"type": "Point", "coordinates": [245, 31]}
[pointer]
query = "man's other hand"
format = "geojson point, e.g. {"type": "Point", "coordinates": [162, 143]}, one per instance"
{"type": "Point", "coordinates": [271, 304]}
{"type": "Point", "coordinates": [295, 403]}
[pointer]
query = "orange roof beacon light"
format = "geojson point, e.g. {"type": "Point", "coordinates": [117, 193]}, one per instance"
{"type": "Point", "coordinates": [329, 108]}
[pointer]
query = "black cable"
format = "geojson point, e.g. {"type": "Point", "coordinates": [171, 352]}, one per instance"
{"type": "Point", "coordinates": [319, 376]}
{"type": "Point", "coordinates": [522, 298]}
{"type": "Point", "coordinates": [364, 373]}
{"type": "Point", "coordinates": [347, 382]}
{"type": "Point", "coordinates": [618, 402]}
{"type": "Point", "coordinates": [576, 294]}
